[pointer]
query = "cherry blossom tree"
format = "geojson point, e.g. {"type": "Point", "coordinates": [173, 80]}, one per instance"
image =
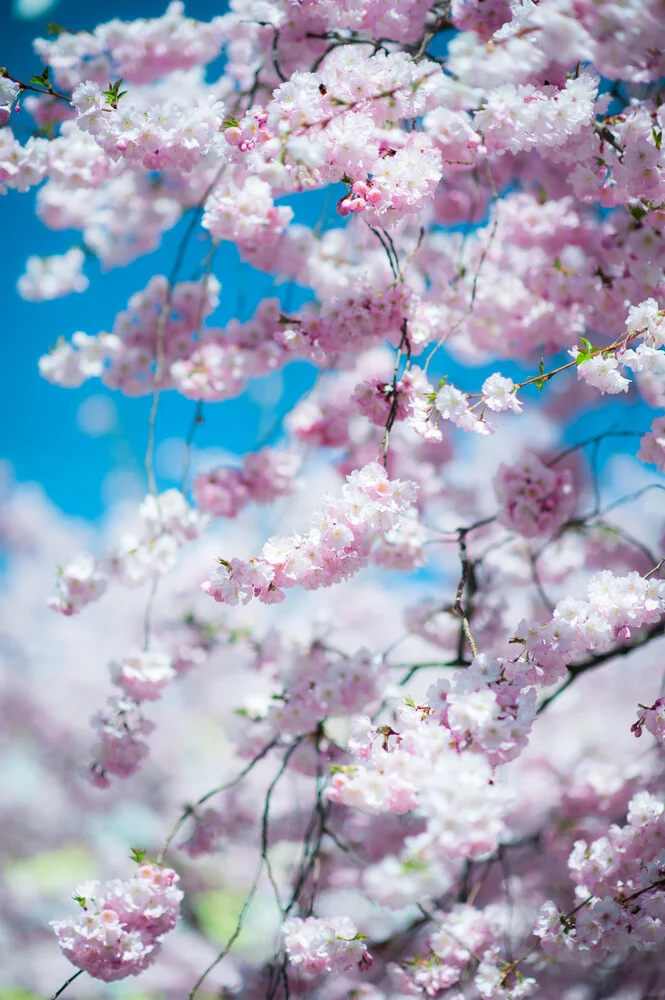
{"type": "Point", "coordinates": [437, 767]}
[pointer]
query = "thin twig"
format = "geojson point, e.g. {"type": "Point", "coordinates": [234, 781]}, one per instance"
{"type": "Point", "coordinates": [191, 809]}
{"type": "Point", "coordinates": [234, 937]}
{"type": "Point", "coordinates": [65, 985]}
{"type": "Point", "coordinates": [49, 92]}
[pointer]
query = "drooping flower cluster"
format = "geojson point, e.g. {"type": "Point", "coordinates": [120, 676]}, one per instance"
{"type": "Point", "coordinates": [413, 768]}
{"type": "Point", "coordinates": [535, 500]}
{"type": "Point", "coordinates": [615, 608]}
{"type": "Point", "coordinates": [618, 879]}
{"type": "Point", "coordinates": [315, 684]}
{"type": "Point", "coordinates": [487, 708]}
{"type": "Point", "coordinates": [342, 541]}
{"type": "Point", "coordinates": [652, 445]}
{"type": "Point", "coordinates": [53, 277]}
{"type": "Point", "coordinates": [156, 330]}
{"type": "Point", "coordinates": [316, 946]}
{"type": "Point", "coordinates": [168, 522]}
{"type": "Point", "coordinates": [120, 931]}
{"type": "Point", "coordinates": [264, 476]}
{"type": "Point", "coordinates": [121, 748]}
{"type": "Point", "coordinates": [81, 581]}
{"type": "Point", "coordinates": [143, 675]}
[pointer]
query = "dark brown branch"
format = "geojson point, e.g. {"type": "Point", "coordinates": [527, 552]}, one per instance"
{"type": "Point", "coordinates": [49, 92]}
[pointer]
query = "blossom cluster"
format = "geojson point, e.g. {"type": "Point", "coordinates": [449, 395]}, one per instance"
{"type": "Point", "coordinates": [156, 329]}
{"type": "Point", "coordinates": [312, 685]}
{"type": "Point", "coordinates": [52, 277]}
{"type": "Point", "coordinates": [414, 768]}
{"type": "Point", "coordinates": [264, 476]}
{"type": "Point", "coordinates": [487, 707]}
{"type": "Point", "coordinates": [317, 946]}
{"type": "Point", "coordinates": [535, 500]}
{"type": "Point", "coordinates": [342, 541]}
{"type": "Point", "coordinates": [168, 522]}
{"type": "Point", "coordinates": [120, 931]}
{"type": "Point", "coordinates": [139, 51]}
{"type": "Point", "coordinates": [463, 935]}
{"type": "Point", "coordinates": [121, 746]}
{"type": "Point", "coordinates": [617, 880]}
{"type": "Point", "coordinates": [615, 608]}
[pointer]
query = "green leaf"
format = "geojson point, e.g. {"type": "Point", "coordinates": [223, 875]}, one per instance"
{"type": "Point", "coordinates": [42, 80]}
{"type": "Point", "coordinates": [81, 900]}
{"type": "Point", "coordinates": [409, 701]}
{"type": "Point", "coordinates": [413, 865]}
{"type": "Point", "coordinates": [540, 382]}
{"type": "Point", "coordinates": [585, 353]}
{"type": "Point", "coordinates": [54, 29]}
{"type": "Point", "coordinates": [657, 136]}
{"type": "Point", "coordinates": [230, 122]}
{"type": "Point", "coordinates": [113, 94]}
{"type": "Point", "coordinates": [137, 856]}
{"type": "Point", "coordinates": [637, 210]}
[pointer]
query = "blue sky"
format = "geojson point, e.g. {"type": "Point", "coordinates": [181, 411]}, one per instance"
{"type": "Point", "coordinates": [42, 433]}
{"type": "Point", "coordinates": [42, 436]}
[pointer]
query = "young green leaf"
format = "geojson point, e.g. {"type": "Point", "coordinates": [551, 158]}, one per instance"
{"type": "Point", "coordinates": [42, 80]}
{"type": "Point", "coordinates": [113, 94]}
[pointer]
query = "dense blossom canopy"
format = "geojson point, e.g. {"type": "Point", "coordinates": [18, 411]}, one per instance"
{"type": "Point", "coordinates": [399, 733]}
